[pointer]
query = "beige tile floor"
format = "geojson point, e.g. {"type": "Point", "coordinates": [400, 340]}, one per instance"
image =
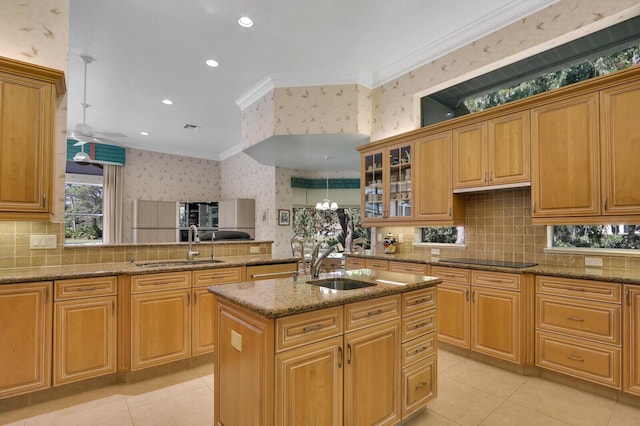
{"type": "Point", "coordinates": [469, 393]}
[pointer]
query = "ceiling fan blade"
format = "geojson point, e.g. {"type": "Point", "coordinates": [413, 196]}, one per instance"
{"type": "Point", "coordinates": [99, 134]}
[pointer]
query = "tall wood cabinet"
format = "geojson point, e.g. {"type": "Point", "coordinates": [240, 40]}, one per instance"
{"type": "Point", "coordinates": [25, 337]}
{"type": "Point", "coordinates": [631, 381]}
{"type": "Point", "coordinates": [28, 96]}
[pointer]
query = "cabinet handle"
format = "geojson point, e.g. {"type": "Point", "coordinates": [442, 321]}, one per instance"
{"type": "Point", "coordinates": [195, 298]}
{"type": "Point", "coordinates": [340, 355]}
{"type": "Point", "coordinates": [605, 203]}
{"type": "Point", "coordinates": [349, 356]}
{"type": "Point", "coordinates": [376, 312]}
{"type": "Point", "coordinates": [46, 295]}
{"type": "Point", "coordinates": [422, 324]}
{"type": "Point", "coordinates": [490, 176]}
{"type": "Point", "coordinates": [534, 207]}
{"type": "Point", "coordinates": [188, 299]}
{"type": "Point", "coordinates": [627, 294]}
{"type": "Point", "coordinates": [575, 358]}
{"type": "Point", "coordinates": [449, 211]}
{"type": "Point", "coordinates": [270, 274]}
{"type": "Point", "coordinates": [422, 385]}
{"type": "Point", "coordinates": [312, 328]}
{"type": "Point", "coordinates": [467, 292]}
{"type": "Point", "coordinates": [484, 176]}
{"type": "Point", "coordinates": [422, 349]}
{"type": "Point", "coordinates": [473, 296]}
{"type": "Point", "coordinates": [576, 319]}
{"type": "Point", "coordinates": [83, 288]}
{"type": "Point", "coordinates": [113, 307]}
{"type": "Point", "coordinates": [575, 288]}
{"type": "Point", "coordinates": [494, 280]}
{"type": "Point", "coordinates": [44, 199]}
{"type": "Point", "coordinates": [419, 301]}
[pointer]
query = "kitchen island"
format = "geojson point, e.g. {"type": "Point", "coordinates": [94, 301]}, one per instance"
{"type": "Point", "coordinates": [291, 352]}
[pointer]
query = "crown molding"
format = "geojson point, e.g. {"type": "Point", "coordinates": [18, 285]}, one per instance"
{"type": "Point", "coordinates": [260, 89]}
{"type": "Point", "coordinates": [230, 152]}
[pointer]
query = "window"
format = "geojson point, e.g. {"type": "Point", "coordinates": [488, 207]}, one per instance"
{"type": "Point", "coordinates": [442, 234]}
{"type": "Point", "coordinates": [625, 237]}
{"type": "Point", "coordinates": [83, 212]}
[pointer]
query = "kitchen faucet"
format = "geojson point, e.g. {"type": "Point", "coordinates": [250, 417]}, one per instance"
{"type": "Point", "coordinates": [192, 235]}
{"type": "Point", "coordinates": [316, 262]}
{"type": "Point", "coordinates": [213, 248]}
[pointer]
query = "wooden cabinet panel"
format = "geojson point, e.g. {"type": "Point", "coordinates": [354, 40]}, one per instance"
{"type": "Point", "coordinates": [594, 361]}
{"type": "Point", "coordinates": [419, 385]}
{"type": "Point", "coordinates": [202, 322]}
{"type": "Point", "coordinates": [368, 312]}
{"type": "Point", "coordinates": [453, 314]}
{"type": "Point", "coordinates": [25, 337]}
{"type": "Point", "coordinates": [354, 262]}
{"type": "Point", "coordinates": [470, 156]}
{"type": "Point", "coordinates": [452, 275]}
{"type": "Point", "coordinates": [163, 281]}
{"type": "Point", "coordinates": [268, 272]}
{"type": "Point", "coordinates": [418, 301]}
{"type": "Point", "coordinates": [496, 280]}
{"type": "Point", "coordinates": [373, 399]}
{"type": "Point", "coordinates": [377, 264]}
{"type": "Point", "coordinates": [206, 277]}
{"type": "Point", "coordinates": [565, 157]}
{"type": "Point", "coordinates": [509, 149]}
{"type": "Point", "coordinates": [619, 143]}
{"type": "Point", "coordinates": [309, 384]}
{"type": "Point", "coordinates": [632, 339]}
{"type": "Point", "coordinates": [409, 267]}
{"type": "Point", "coordinates": [301, 329]}
{"type": "Point", "coordinates": [419, 348]}
{"type": "Point", "coordinates": [85, 287]}
{"type": "Point", "coordinates": [84, 339]}
{"type": "Point", "coordinates": [583, 289]}
{"type": "Point", "coordinates": [418, 324]}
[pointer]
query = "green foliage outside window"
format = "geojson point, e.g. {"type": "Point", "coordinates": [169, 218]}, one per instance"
{"type": "Point", "coordinates": [440, 234]}
{"type": "Point", "coordinates": [83, 213]}
{"type": "Point", "coordinates": [597, 236]}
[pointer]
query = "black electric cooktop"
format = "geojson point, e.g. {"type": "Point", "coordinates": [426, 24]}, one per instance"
{"type": "Point", "coordinates": [485, 262]}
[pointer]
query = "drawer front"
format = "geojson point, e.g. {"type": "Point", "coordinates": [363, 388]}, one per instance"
{"type": "Point", "coordinates": [595, 362]}
{"type": "Point", "coordinates": [454, 275]}
{"type": "Point", "coordinates": [85, 287]}
{"type": "Point", "coordinates": [269, 272]}
{"type": "Point", "coordinates": [301, 329]}
{"type": "Point", "coordinates": [418, 325]}
{"type": "Point", "coordinates": [419, 385]}
{"type": "Point", "coordinates": [418, 349]}
{"type": "Point", "coordinates": [166, 281]}
{"type": "Point", "coordinates": [418, 300]}
{"type": "Point", "coordinates": [584, 289]}
{"type": "Point", "coordinates": [369, 312]}
{"type": "Point", "coordinates": [409, 268]}
{"type": "Point", "coordinates": [354, 263]}
{"type": "Point", "coordinates": [380, 265]}
{"type": "Point", "coordinates": [590, 320]}
{"type": "Point", "coordinates": [496, 280]}
{"type": "Point", "coordinates": [217, 276]}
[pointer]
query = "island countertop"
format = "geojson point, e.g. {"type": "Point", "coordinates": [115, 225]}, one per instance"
{"type": "Point", "coordinates": [281, 297]}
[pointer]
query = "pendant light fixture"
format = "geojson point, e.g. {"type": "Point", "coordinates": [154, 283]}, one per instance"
{"type": "Point", "coordinates": [327, 204]}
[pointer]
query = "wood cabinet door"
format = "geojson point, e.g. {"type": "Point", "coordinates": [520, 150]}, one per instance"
{"type": "Point", "coordinates": [434, 200]}
{"type": "Point", "coordinates": [565, 158]}
{"type": "Point", "coordinates": [470, 156]}
{"type": "Point", "coordinates": [84, 343]}
{"type": "Point", "coordinates": [26, 137]}
{"type": "Point", "coordinates": [495, 323]}
{"type": "Point", "coordinates": [160, 327]}
{"type": "Point", "coordinates": [309, 384]}
{"type": "Point", "coordinates": [619, 141]}
{"type": "Point", "coordinates": [203, 322]}
{"type": "Point", "coordinates": [373, 179]}
{"type": "Point", "coordinates": [399, 183]}
{"type": "Point", "coordinates": [509, 149]}
{"type": "Point", "coordinates": [631, 381]}
{"type": "Point", "coordinates": [454, 301]}
{"type": "Point", "coordinates": [372, 375]}
{"type": "Point", "coordinates": [25, 337]}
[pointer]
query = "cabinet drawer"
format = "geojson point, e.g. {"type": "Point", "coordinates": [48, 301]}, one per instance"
{"type": "Point", "coordinates": [217, 276]}
{"type": "Point", "coordinates": [419, 300]}
{"type": "Point", "coordinates": [591, 361]}
{"type": "Point", "coordinates": [579, 318]}
{"type": "Point", "coordinates": [454, 275]}
{"type": "Point", "coordinates": [496, 280]}
{"type": "Point", "coordinates": [84, 287]}
{"type": "Point", "coordinates": [166, 281]}
{"type": "Point", "coordinates": [409, 268]}
{"type": "Point", "coordinates": [380, 265]}
{"type": "Point", "coordinates": [418, 324]}
{"type": "Point", "coordinates": [419, 348]}
{"type": "Point", "coordinates": [368, 312]}
{"type": "Point", "coordinates": [584, 289]}
{"type": "Point", "coordinates": [269, 272]}
{"type": "Point", "coordinates": [419, 385]}
{"type": "Point", "coordinates": [301, 329]}
{"type": "Point", "coordinates": [354, 263]}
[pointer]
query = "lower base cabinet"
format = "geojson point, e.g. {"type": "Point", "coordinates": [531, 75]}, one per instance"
{"type": "Point", "coordinates": [632, 339]}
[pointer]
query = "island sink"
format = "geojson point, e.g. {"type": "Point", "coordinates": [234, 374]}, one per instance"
{"type": "Point", "coordinates": [340, 283]}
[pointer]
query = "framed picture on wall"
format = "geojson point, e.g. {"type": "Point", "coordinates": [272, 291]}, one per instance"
{"type": "Point", "coordinates": [284, 217]}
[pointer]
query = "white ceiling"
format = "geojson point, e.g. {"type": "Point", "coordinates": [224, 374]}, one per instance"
{"type": "Point", "coordinates": [148, 50]}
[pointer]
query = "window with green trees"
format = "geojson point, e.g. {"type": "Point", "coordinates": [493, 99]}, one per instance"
{"type": "Point", "coordinates": [83, 213]}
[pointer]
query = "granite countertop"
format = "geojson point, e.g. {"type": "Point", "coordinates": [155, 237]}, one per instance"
{"type": "Point", "coordinates": [624, 276]}
{"type": "Point", "coordinates": [281, 297]}
{"type": "Point", "coordinates": [46, 273]}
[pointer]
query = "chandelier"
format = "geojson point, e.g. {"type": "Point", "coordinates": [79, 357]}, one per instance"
{"type": "Point", "coordinates": [327, 204]}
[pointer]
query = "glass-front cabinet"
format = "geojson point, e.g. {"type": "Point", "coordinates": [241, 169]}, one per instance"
{"type": "Point", "coordinates": [386, 182]}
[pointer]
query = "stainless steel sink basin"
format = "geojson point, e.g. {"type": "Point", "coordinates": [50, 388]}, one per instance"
{"type": "Point", "coordinates": [164, 263]}
{"type": "Point", "coordinates": [341, 283]}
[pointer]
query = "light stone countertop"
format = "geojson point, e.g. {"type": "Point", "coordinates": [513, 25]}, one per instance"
{"type": "Point", "coordinates": [48, 273]}
{"type": "Point", "coordinates": [281, 297]}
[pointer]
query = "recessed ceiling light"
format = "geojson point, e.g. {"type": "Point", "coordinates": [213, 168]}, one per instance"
{"type": "Point", "coordinates": [212, 63]}
{"type": "Point", "coordinates": [245, 22]}
{"type": "Point", "coordinates": [167, 101]}
{"type": "Point", "coordinates": [144, 133]}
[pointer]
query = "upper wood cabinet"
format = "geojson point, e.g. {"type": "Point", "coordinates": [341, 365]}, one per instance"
{"type": "Point", "coordinates": [27, 135]}
{"type": "Point", "coordinates": [619, 142]}
{"type": "Point", "coordinates": [387, 176]}
{"type": "Point", "coordinates": [492, 153]}
{"type": "Point", "coordinates": [565, 158]}
{"type": "Point", "coordinates": [434, 198]}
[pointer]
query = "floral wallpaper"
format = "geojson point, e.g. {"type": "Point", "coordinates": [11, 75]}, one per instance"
{"type": "Point", "coordinates": [166, 177]}
{"type": "Point", "coordinates": [258, 121]}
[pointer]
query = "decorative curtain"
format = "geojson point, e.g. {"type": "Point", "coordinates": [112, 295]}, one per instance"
{"type": "Point", "coordinates": [112, 214]}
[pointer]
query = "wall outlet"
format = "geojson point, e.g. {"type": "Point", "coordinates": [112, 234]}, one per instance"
{"type": "Point", "coordinates": [254, 249]}
{"type": "Point", "coordinates": [379, 238]}
{"type": "Point", "coordinates": [236, 340]}
{"type": "Point", "coordinates": [435, 252]}
{"type": "Point", "coordinates": [593, 261]}
{"type": "Point", "coordinates": [400, 238]}
{"type": "Point", "coordinates": [42, 241]}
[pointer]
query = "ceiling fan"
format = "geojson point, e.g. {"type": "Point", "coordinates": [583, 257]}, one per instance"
{"type": "Point", "coordinates": [84, 133]}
